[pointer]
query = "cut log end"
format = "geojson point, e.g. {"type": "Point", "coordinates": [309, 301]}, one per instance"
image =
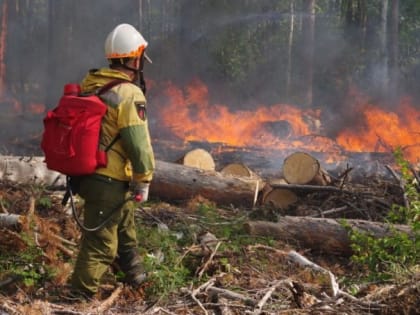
{"type": "Point", "coordinates": [198, 158]}
{"type": "Point", "coordinates": [236, 169]}
{"type": "Point", "coordinates": [279, 198]}
{"type": "Point", "coordinates": [301, 168]}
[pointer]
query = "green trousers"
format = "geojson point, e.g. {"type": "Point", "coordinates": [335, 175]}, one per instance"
{"type": "Point", "coordinates": [103, 196]}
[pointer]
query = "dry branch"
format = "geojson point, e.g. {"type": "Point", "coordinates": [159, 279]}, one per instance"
{"type": "Point", "coordinates": [268, 294]}
{"type": "Point", "coordinates": [207, 263]}
{"type": "Point", "coordinates": [310, 188]}
{"type": "Point", "coordinates": [231, 295]}
{"type": "Point", "coordinates": [106, 304]}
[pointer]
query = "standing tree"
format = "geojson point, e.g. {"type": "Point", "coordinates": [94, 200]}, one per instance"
{"type": "Point", "coordinates": [290, 46]}
{"type": "Point", "coordinates": [394, 72]}
{"type": "Point", "coordinates": [308, 51]}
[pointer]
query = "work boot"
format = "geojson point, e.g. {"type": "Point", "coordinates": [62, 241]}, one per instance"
{"type": "Point", "coordinates": [130, 264]}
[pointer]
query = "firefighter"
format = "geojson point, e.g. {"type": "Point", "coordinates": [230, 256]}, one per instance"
{"type": "Point", "coordinates": [129, 169]}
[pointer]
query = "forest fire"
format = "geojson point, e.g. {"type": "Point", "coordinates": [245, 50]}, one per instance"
{"type": "Point", "coordinates": [384, 131]}
{"type": "Point", "coordinates": [190, 117]}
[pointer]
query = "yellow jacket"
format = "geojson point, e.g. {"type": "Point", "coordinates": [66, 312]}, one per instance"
{"type": "Point", "coordinates": [131, 156]}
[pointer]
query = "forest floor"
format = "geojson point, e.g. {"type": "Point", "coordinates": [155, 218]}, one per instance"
{"type": "Point", "coordinates": [200, 259]}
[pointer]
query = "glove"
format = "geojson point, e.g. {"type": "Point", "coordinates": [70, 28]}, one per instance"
{"type": "Point", "coordinates": [141, 192]}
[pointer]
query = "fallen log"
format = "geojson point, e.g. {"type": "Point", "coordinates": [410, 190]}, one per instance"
{"type": "Point", "coordinates": [279, 198]}
{"type": "Point", "coordinates": [172, 182]}
{"type": "Point", "coordinates": [319, 234]}
{"type": "Point", "coordinates": [29, 169]}
{"type": "Point", "coordinates": [302, 168]}
{"type": "Point", "coordinates": [9, 220]}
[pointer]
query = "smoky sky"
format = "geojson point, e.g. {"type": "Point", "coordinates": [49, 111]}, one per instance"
{"type": "Point", "coordinates": [187, 40]}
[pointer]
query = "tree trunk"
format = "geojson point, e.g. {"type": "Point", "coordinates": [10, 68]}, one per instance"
{"type": "Point", "coordinates": [3, 37]}
{"type": "Point", "coordinates": [174, 182]}
{"type": "Point", "coordinates": [394, 53]}
{"type": "Point", "coordinates": [383, 48]}
{"type": "Point", "coordinates": [308, 51]}
{"type": "Point", "coordinates": [29, 170]}
{"type": "Point", "coordinates": [171, 181]}
{"type": "Point", "coordinates": [323, 235]}
{"type": "Point", "coordinates": [11, 220]}
{"type": "Point", "coordinates": [289, 48]}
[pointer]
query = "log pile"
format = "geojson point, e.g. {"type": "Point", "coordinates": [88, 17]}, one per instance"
{"type": "Point", "coordinates": [303, 190]}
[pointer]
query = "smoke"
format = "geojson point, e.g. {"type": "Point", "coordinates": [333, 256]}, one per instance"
{"type": "Point", "coordinates": [240, 51]}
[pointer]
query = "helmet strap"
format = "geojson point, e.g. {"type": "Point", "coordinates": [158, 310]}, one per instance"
{"type": "Point", "coordinates": [142, 82]}
{"type": "Point", "coordinates": [138, 73]}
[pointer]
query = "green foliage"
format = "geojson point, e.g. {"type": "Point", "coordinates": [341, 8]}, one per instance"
{"type": "Point", "coordinates": [44, 202]}
{"type": "Point", "coordinates": [165, 251]}
{"type": "Point", "coordinates": [410, 214]}
{"type": "Point", "coordinates": [161, 261]}
{"type": "Point", "coordinates": [398, 253]}
{"type": "Point", "coordinates": [27, 266]}
{"type": "Point", "coordinates": [223, 228]}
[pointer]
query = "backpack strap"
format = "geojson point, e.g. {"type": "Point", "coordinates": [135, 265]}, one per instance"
{"type": "Point", "coordinates": [116, 138]}
{"type": "Point", "coordinates": [73, 181]}
{"type": "Point", "coordinates": [103, 90]}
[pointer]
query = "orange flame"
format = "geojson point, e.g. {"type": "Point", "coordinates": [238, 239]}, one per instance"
{"type": "Point", "coordinates": [385, 131]}
{"type": "Point", "coordinates": [189, 116]}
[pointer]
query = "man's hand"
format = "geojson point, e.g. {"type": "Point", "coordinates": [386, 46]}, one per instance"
{"type": "Point", "coordinates": [141, 192]}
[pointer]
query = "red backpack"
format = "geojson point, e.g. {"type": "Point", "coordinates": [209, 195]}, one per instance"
{"type": "Point", "coordinates": [71, 132]}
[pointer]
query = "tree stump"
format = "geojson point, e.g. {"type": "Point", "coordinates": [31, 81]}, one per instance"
{"type": "Point", "coordinates": [198, 158]}
{"type": "Point", "coordinates": [302, 168]}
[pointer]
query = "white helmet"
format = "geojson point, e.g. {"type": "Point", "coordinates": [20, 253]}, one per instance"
{"type": "Point", "coordinates": [124, 41]}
